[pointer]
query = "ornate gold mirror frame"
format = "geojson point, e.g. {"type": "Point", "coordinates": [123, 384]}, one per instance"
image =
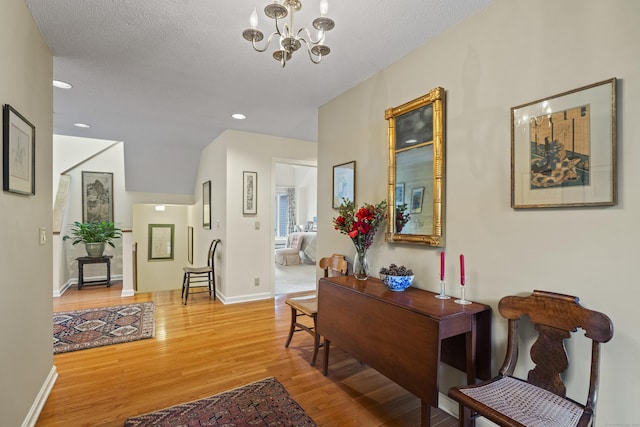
{"type": "Point", "coordinates": [416, 170]}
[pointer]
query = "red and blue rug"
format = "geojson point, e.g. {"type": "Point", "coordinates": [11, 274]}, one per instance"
{"type": "Point", "coordinates": [262, 403]}
{"type": "Point", "coordinates": [96, 327]}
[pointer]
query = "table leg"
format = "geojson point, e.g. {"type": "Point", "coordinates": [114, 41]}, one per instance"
{"type": "Point", "coordinates": [327, 345]}
{"type": "Point", "coordinates": [108, 273]}
{"type": "Point", "coordinates": [471, 341]}
{"type": "Point", "coordinates": [80, 274]}
{"type": "Point", "coordinates": [425, 414]}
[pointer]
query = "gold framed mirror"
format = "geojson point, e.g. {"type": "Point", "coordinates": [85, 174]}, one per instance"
{"type": "Point", "coordinates": [416, 170]}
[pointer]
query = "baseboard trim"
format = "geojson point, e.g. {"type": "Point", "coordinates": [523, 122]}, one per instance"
{"type": "Point", "coordinates": [41, 398]}
{"type": "Point", "coordinates": [58, 293]}
{"type": "Point", "coordinates": [243, 298]}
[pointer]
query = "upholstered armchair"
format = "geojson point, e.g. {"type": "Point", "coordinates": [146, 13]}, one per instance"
{"type": "Point", "coordinates": [290, 254]}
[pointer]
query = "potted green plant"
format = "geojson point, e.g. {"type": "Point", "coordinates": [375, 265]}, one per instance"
{"type": "Point", "coordinates": [94, 235]}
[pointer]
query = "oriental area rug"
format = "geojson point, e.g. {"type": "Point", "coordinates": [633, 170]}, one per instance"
{"type": "Point", "coordinates": [96, 327]}
{"type": "Point", "coordinates": [262, 403]}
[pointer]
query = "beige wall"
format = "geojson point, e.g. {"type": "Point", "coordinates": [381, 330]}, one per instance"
{"type": "Point", "coordinates": [511, 53]}
{"type": "Point", "coordinates": [26, 357]}
{"type": "Point", "coordinates": [245, 253]}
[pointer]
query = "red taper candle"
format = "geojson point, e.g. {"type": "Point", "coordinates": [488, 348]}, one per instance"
{"type": "Point", "coordinates": [442, 265]}
{"type": "Point", "coordinates": [462, 269]}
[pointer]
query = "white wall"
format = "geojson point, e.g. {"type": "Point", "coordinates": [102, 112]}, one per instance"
{"type": "Point", "coordinates": [26, 357]}
{"type": "Point", "coordinates": [72, 156]}
{"type": "Point", "coordinates": [511, 53]}
{"type": "Point", "coordinates": [246, 253]}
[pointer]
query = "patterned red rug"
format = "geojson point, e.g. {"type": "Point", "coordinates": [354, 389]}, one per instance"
{"type": "Point", "coordinates": [96, 327]}
{"type": "Point", "coordinates": [262, 403]}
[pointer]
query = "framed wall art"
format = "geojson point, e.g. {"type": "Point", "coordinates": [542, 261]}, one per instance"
{"type": "Point", "coordinates": [190, 244]}
{"type": "Point", "coordinates": [97, 196]}
{"type": "Point", "coordinates": [206, 205]}
{"type": "Point", "coordinates": [344, 183]}
{"type": "Point", "coordinates": [399, 199]}
{"type": "Point", "coordinates": [417, 196]}
{"type": "Point", "coordinates": [160, 242]}
{"type": "Point", "coordinates": [18, 154]}
{"type": "Point", "coordinates": [563, 149]}
{"type": "Point", "coordinates": [250, 193]}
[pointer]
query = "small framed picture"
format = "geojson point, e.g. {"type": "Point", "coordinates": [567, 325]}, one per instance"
{"type": "Point", "coordinates": [399, 199]}
{"type": "Point", "coordinates": [190, 244]}
{"type": "Point", "coordinates": [19, 148]}
{"type": "Point", "coordinates": [250, 193]}
{"type": "Point", "coordinates": [563, 149]}
{"type": "Point", "coordinates": [160, 241]}
{"type": "Point", "coordinates": [344, 183]}
{"type": "Point", "coordinates": [206, 205]}
{"type": "Point", "coordinates": [417, 195]}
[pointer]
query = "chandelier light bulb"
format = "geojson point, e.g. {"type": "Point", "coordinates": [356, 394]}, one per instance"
{"type": "Point", "coordinates": [324, 7]}
{"type": "Point", "coordinates": [253, 19]}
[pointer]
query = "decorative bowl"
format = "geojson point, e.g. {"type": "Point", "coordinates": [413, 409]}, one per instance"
{"type": "Point", "coordinates": [397, 283]}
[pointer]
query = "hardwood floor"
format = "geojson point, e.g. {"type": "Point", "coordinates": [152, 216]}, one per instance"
{"type": "Point", "coordinates": [205, 348]}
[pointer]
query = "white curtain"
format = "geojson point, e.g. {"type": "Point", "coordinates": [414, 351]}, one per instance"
{"type": "Point", "coordinates": [291, 202]}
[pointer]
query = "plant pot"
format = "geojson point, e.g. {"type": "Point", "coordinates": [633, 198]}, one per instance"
{"type": "Point", "coordinates": [94, 250]}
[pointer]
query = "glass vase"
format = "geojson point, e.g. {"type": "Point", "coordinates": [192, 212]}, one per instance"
{"type": "Point", "coordinates": [360, 264]}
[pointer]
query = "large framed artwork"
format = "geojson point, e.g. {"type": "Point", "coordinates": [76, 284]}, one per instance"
{"type": "Point", "coordinates": [18, 154]}
{"type": "Point", "coordinates": [206, 205]}
{"type": "Point", "coordinates": [344, 183]}
{"type": "Point", "coordinates": [160, 242]}
{"type": "Point", "coordinates": [563, 149]}
{"type": "Point", "coordinates": [97, 196]}
{"type": "Point", "coordinates": [250, 193]}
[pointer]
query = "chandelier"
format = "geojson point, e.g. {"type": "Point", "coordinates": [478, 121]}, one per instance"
{"type": "Point", "coordinates": [290, 39]}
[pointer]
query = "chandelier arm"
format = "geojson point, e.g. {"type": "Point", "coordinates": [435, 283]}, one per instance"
{"type": "Point", "coordinates": [309, 36]}
{"type": "Point", "coordinates": [311, 55]}
{"type": "Point", "coordinates": [266, 45]}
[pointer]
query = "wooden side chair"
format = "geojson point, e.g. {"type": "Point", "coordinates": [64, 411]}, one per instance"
{"type": "Point", "coordinates": [541, 399]}
{"type": "Point", "coordinates": [199, 275]}
{"type": "Point", "coordinates": [334, 265]}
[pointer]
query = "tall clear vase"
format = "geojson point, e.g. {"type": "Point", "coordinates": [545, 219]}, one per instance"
{"type": "Point", "coordinates": [360, 264]}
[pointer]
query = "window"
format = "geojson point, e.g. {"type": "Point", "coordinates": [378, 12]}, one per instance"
{"type": "Point", "coordinates": [281, 213]}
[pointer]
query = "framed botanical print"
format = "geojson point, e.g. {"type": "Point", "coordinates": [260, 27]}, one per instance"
{"type": "Point", "coordinates": [160, 242]}
{"type": "Point", "coordinates": [18, 151]}
{"type": "Point", "coordinates": [250, 193]}
{"type": "Point", "coordinates": [344, 183]}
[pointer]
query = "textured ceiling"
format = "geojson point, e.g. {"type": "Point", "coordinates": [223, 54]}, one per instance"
{"type": "Point", "coordinates": [164, 76]}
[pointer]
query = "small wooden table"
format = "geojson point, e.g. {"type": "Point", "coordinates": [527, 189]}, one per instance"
{"type": "Point", "coordinates": [106, 259]}
{"type": "Point", "coordinates": [404, 335]}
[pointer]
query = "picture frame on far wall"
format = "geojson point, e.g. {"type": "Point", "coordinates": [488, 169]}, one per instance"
{"type": "Point", "coordinates": [190, 244]}
{"type": "Point", "coordinates": [417, 196]}
{"type": "Point", "coordinates": [206, 205]}
{"type": "Point", "coordinates": [18, 153]}
{"type": "Point", "coordinates": [344, 183]}
{"type": "Point", "coordinates": [97, 196]}
{"type": "Point", "coordinates": [161, 241]}
{"type": "Point", "coordinates": [249, 193]}
{"type": "Point", "coordinates": [563, 149]}
{"type": "Point", "coordinates": [399, 199]}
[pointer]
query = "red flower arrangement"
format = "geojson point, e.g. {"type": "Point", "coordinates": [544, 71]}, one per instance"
{"type": "Point", "coordinates": [360, 224]}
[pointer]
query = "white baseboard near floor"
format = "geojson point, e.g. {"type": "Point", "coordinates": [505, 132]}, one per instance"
{"type": "Point", "coordinates": [58, 293]}
{"type": "Point", "coordinates": [41, 399]}
{"type": "Point", "coordinates": [243, 298]}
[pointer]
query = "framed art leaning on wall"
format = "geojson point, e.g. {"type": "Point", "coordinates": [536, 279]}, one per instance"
{"type": "Point", "coordinates": [563, 149]}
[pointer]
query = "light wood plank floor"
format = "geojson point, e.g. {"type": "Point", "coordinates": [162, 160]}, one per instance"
{"type": "Point", "coordinates": [206, 348]}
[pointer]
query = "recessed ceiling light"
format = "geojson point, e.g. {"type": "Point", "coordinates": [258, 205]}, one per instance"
{"type": "Point", "coordinates": [62, 85]}
{"type": "Point", "coordinates": [238, 116]}
{"type": "Point", "coordinates": [81, 125]}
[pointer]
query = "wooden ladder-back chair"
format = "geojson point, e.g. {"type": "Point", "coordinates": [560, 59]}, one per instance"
{"type": "Point", "coordinates": [334, 265]}
{"type": "Point", "coordinates": [541, 399]}
{"type": "Point", "coordinates": [201, 275]}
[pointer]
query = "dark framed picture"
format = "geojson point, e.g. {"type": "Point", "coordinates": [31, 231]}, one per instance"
{"type": "Point", "coordinates": [19, 153]}
{"type": "Point", "coordinates": [97, 196]}
{"type": "Point", "coordinates": [344, 183]}
{"type": "Point", "coordinates": [190, 244]}
{"type": "Point", "coordinates": [160, 242]}
{"type": "Point", "coordinates": [417, 196]}
{"type": "Point", "coordinates": [563, 149]}
{"type": "Point", "coordinates": [250, 193]}
{"type": "Point", "coordinates": [206, 205]}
